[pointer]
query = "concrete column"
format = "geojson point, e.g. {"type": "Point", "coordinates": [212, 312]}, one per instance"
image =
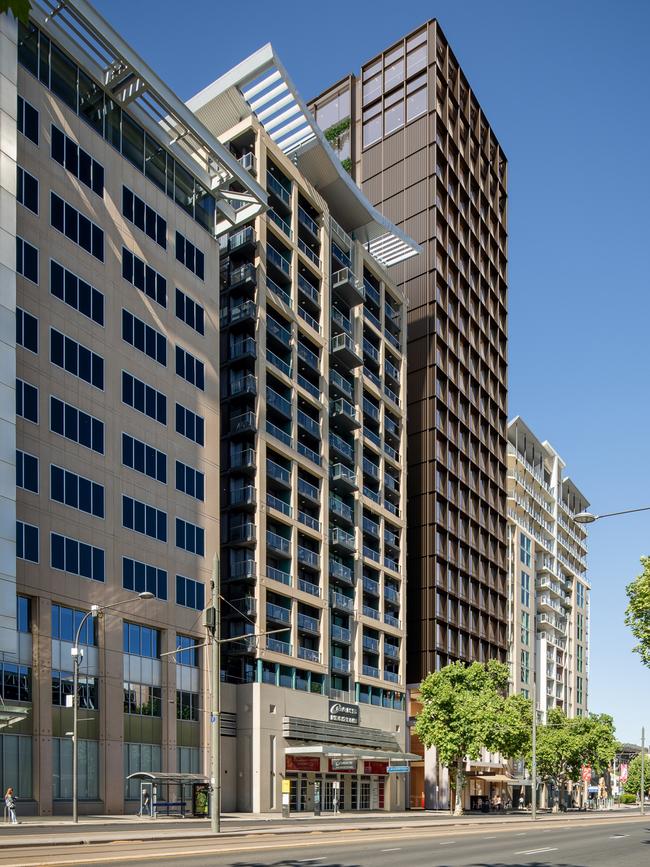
{"type": "Point", "coordinates": [111, 708]}
{"type": "Point", "coordinates": [168, 691]}
{"type": "Point", "coordinates": [42, 705]}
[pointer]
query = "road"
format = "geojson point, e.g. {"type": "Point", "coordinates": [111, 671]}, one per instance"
{"type": "Point", "coordinates": [570, 843]}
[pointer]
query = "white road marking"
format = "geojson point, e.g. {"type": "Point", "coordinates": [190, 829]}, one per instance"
{"type": "Point", "coordinates": [536, 851]}
{"type": "Point", "coordinates": [450, 843]}
{"type": "Point", "coordinates": [398, 849]}
{"type": "Point", "coordinates": [618, 836]}
{"type": "Point", "coordinates": [521, 834]}
{"type": "Point", "coordinates": [489, 838]}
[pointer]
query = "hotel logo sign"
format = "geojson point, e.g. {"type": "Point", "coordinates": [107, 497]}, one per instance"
{"type": "Point", "coordinates": [342, 712]}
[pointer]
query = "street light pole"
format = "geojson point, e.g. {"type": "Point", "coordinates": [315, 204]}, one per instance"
{"type": "Point", "coordinates": [643, 771]}
{"type": "Point", "coordinates": [533, 764]}
{"type": "Point", "coordinates": [215, 700]}
{"type": "Point", "coordinates": [77, 655]}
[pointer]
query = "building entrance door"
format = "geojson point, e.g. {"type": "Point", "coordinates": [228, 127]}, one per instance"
{"type": "Point", "coordinates": [327, 804]}
{"type": "Point", "coordinates": [298, 794]}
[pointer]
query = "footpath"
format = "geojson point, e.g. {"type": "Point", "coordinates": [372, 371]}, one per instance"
{"type": "Point", "coordinates": [39, 831]}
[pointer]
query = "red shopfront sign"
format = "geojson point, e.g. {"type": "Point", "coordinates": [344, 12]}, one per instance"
{"type": "Point", "coordinates": [375, 767]}
{"type": "Point", "coordinates": [303, 763]}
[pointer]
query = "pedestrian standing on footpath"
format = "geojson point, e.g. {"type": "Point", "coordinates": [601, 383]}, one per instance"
{"type": "Point", "coordinates": [10, 804]}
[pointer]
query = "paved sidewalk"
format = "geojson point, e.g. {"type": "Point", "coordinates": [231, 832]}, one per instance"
{"type": "Point", "coordinates": [36, 831]}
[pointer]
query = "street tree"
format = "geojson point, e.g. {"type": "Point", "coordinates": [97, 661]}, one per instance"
{"type": "Point", "coordinates": [637, 614]}
{"type": "Point", "coordinates": [466, 709]}
{"type": "Point", "coordinates": [632, 785]}
{"type": "Point", "coordinates": [565, 745]}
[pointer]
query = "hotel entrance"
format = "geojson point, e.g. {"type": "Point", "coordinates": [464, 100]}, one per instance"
{"type": "Point", "coordinates": [336, 792]}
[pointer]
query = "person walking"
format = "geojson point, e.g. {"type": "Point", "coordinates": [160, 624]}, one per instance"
{"type": "Point", "coordinates": [10, 804]}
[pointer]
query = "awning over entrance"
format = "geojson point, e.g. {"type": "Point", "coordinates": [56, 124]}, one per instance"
{"type": "Point", "coordinates": [496, 778]}
{"type": "Point", "coordinates": [168, 778]}
{"type": "Point", "coordinates": [337, 751]}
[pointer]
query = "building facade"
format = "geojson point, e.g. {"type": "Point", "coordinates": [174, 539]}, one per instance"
{"type": "Point", "coordinates": [191, 380]}
{"type": "Point", "coordinates": [547, 576]}
{"type": "Point", "coordinates": [411, 131]}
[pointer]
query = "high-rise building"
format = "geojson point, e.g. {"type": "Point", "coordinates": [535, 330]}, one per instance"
{"type": "Point", "coordinates": [549, 591]}
{"type": "Point", "coordinates": [194, 378]}
{"type": "Point", "coordinates": [413, 135]}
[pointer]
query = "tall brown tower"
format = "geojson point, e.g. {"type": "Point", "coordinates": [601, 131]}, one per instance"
{"type": "Point", "coordinates": [421, 149]}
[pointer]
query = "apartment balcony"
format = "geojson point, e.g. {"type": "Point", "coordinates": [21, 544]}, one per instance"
{"type": "Point", "coordinates": [308, 453]}
{"type": "Point", "coordinates": [347, 286]}
{"type": "Point", "coordinates": [341, 384]}
{"type": "Point", "coordinates": [278, 575]}
{"type": "Point", "coordinates": [308, 424]}
{"type": "Point", "coordinates": [345, 350]}
{"type": "Point", "coordinates": [308, 624]}
{"type": "Point", "coordinates": [341, 446]}
{"type": "Point", "coordinates": [391, 620]}
{"type": "Point", "coordinates": [279, 291]}
{"type": "Point", "coordinates": [391, 651]}
{"type": "Point", "coordinates": [392, 396]}
{"type": "Point", "coordinates": [242, 570]}
{"type": "Point", "coordinates": [341, 510]}
{"type": "Point", "coordinates": [309, 491]}
{"type": "Point", "coordinates": [248, 162]}
{"type": "Point", "coordinates": [279, 434]}
{"type": "Point", "coordinates": [391, 676]}
{"type": "Point", "coordinates": [344, 414]}
{"type": "Point", "coordinates": [308, 290]}
{"type": "Point", "coordinates": [369, 526]}
{"type": "Point", "coordinates": [342, 540]}
{"type": "Point", "coordinates": [370, 350]}
{"type": "Point", "coordinates": [308, 558]}
{"type": "Point", "coordinates": [306, 250]}
{"type": "Point", "coordinates": [243, 385]}
{"type": "Point", "coordinates": [340, 665]}
{"type": "Point", "coordinates": [340, 634]}
{"type": "Point", "coordinates": [279, 403]}
{"type": "Point", "coordinates": [278, 474]}
{"type": "Point", "coordinates": [243, 276]}
{"type": "Point", "coordinates": [284, 227]}
{"type": "Point", "coordinates": [245, 312]}
{"type": "Point", "coordinates": [242, 241]}
{"type": "Point", "coordinates": [244, 496]}
{"type": "Point", "coordinates": [310, 224]}
{"type": "Point", "coordinates": [242, 534]}
{"type": "Point", "coordinates": [372, 495]}
{"type": "Point", "coordinates": [391, 564]}
{"type": "Point", "coordinates": [340, 572]}
{"type": "Point", "coordinates": [279, 505]}
{"type": "Point", "coordinates": [308, 654]}
{"type": "Point", "coordinates": [371, 293]}
{"type": "Point", "coordinates": [275, 329]}
{"type": "Point", "coordinates": [341, 602]}
{"type": "Point", "coordinates": [370, 671]}
{"type": "Point", "coordinates": [370, 644]}
{"type": "Point", "coordinates": [244, 460]}
{"type": "Point", "coordinates": [367, 611]}
{"type": "Point", "coordinates": [276, 259]}
{"type": "Point", "coordinates": [309, 521]}
{"type": "Point", "coordinates": [278, 543]}
{"type": "Point", "coordinates": [279, 193]}
{"type": "Point", "coordinates": [342, 478]}
{"type": "Point", "coordinates": [340, 323]}
{"type": "Point", "coordinates": [310, 358]}
{"type": "Point", "coordinates": [277, 646]}
{"type": "Point", "coordinates": [278, 613]}
{"type": "Point", "coordinates": [309, 387]}
{"type": "Point", "coordinates": [370, 316]}
{"type": "Point", "coordinates": [392, 430]}
{"type": "Point", "coordinates": [391, 539]}
{"type": "Point", "coordinates": [370, 586]}
{"type": "Point", "coordinates": [391, 484]}
{"type": "Point", "coordinates": [371, 469]}
{"type": "Point", "coordinates": [308, 587]}
{"type": "Point", "coordinates": [391, 595]}
{"type": "Point", "coordinates": [240, 350]}
{"type": "Point", "coordinates": [371, 410]}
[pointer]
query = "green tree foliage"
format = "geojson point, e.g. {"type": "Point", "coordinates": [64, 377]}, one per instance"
{"type": "Point", "coordinates": [19, 9]}
{"type": "Point", "coordinates": [565, 745]}
{"type": "Point", "coordinates": [633, 783]}
{"type": "Point", "coordinates": [466, 708]}
{"type": "Point", "coordinates": [637, 614]}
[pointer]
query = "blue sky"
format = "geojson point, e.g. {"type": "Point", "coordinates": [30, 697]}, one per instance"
{"type": "Point", "coordinates": [564, 86]}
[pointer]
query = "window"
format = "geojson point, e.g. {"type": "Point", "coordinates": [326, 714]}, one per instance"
{"type": "Point", "coordinates": [27, 120]}
{"type": "Point", "coordinates": [66, 622]}
{"type": "Point", "coordinates": [189, 425]}
{"type": "Point", "coordinates": [579, 658]}
{"type": "Point", "coordinates": [393, 68]}
{"type": "Point", "coordinates": [87, 769]}
{"type": "Point", "coordinates": [76, 491]}
{"type": "Point", "coordinates": [525, 666]}
{"type": "Point", "coordinates": [23, 614]}
{"type": "Point", "coordinates": [76, 359]}
{"type": "Point", "coordinates": [190, 481]}
{"type": "Point", "coordinates": [144, 277]}
{"type": "Point", "coordinates": [144, 398]}
{"type": "Point", "coordinates": [525, 627]}
{"type": "Point", "coordinates": [26, 401]}
{"type": "Point", "coordinates": [140, 640]}
{"type": "Point", "coordinates": [580, 595]}
{"type": "Point", "coordinates": [140, 757]}
{"type": "Point", "coordinates": [188, 652]}
{"type": "Point", "coordinates": [26, 542]}
{"type": "Point", "coordinates": [15, 682]}
{"type": "Point", "coordinates": [525, 589]}
{"type": "Point", "coordinates": [76, 425]}
{"type": "Point", "coordinates": [141, 699]}
{"type": "Point", "coordinates": [187, 705]}
{"type": "Point", "coordinates": [143, 458]}
{"type": "Point", "coordinates": [145, 218]}
{"type": "Point", "coordinates": [144, 338]}
{"type": "Point", "coordinates": [26, 260]}
{"type": "Point", "coordinates": [27, 190]}
{"type": "Point", "coordinates": [416, 97]}
{"type": "Point", "coordinates": [76, 227]}
{"type": "Point", "coordinates": [79, 163]}
{"type": "Point", "coordinates": [141, 577]}
{"type": "Point", "coordinates": [190, 256]}
{"type": "Point", "coordinates": [524, 549]}
{"type": "Point", "coordinates": [190, 312]}
{"type": "Point", "coordinates": [145, 519]}
{"type": "Point", "coordinates": [63, 686]}
{"type": "Point", "coordinates": [190, 368]}
{"type": "Point", "coordinates": [26, 471]}
{"type": "Point", "coordinates": [580, 626]}
{"type": "Point", "coordinates": [26, 330]}
{"type": "Point", "coordinates": [394, 112]}
{"type": "Point", "coordinates": [77, 558]}
{"type": "Point", "coordinates": [372, 125]}
{"type": "Point", "coordinates": [190, 593]}
{"type": "Point", "coordinates": [75, 292]}
{"type": "Point", "coordinates": [579, 695]}
{"type": "Point", "coordinates": [189, 537]}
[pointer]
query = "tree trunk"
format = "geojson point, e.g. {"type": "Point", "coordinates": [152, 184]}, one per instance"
{"type": "Point", "coordinates": [460, 780]}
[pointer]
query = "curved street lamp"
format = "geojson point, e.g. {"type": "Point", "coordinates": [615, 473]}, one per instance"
{"type": "Point", "coordinates": [77, 655]}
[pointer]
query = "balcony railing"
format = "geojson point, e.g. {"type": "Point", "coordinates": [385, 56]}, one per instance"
{"type": "Point", "coordinates": [391, 676]}
{"type": "Point", "coordinates": [274, 328]}
{"type": "Point", "coordinates": [308, 356]}
{"type": "Point", "coordinates": [371, 527]}
{"type": "Point", "coordinates": [340, 633]}
{"type": "Point", "coordinates": [340, 601]}
{"type": "Point", "coordinates": [308, 490]}
{"type": "Point", "coordinates": [278, 260]}
{"type": "Point", "coordinates": [309, 253]}
{"type": "Point", "coordinates": [279, 434]}
{"type": "Point", "coordinates": [278, 543]}
{"type": "Point", "coordinates": [308, 222]}
{"type": "Point", "coordinates": [370, 350]}
{"type": "Point", "coordinates": [278, 613]}
{"type": "Point", "coordinates": [308, 624]}
{"type": "Point", "coordinates": [309, 558]}
{"type": "Point", "coordinates": [244, 496]}
{"type": "Point", "coordinates": [280, 223]}
{"type": "Point", "coordinates": [243, 460]}
{"type": "Point", "coordinates": [391, 620]}
{"type": "Point", "coordinates": [370, 671]}
{"type": "Point", "coordinates": [309, 424]}
{"type": "Point", "coordinates": [309, 387]}
{"type": "Point", "coordinates": [308, 587]}
{"type": "Point", "coordinates": [341, 538]}
{"type": "Point", "coordinates": [308, 289]}
{"type": "Point", "coordinates": [370, 585]}
{"type": "Point", "coordinates": [341, 383]}
{"type": "Point", "coordinates": [280, 505]}
{"type": "Point", "coordinates": [370, 644]}
{"type": "Point", "coordinates": [341, 572]}
{"type": "Point", "coordinates": [278, 575]}
{"type": "Point", "coordinates": [278, 646]}
{"type": "Point", "coordinates": [243, 569]}
{"type": "Point", "coordinates": [242, 533]}
{"type": "Point", "coordinates": [281, 404]}
{"type": "Point", "coordinates": [309, 521]}
{"type": "Point", "coordinates": [341, 665]}
{"type": "Point", "coordinates": [309, 654]}
{"type": "Point", "coordinates": [391, 651]}
{"type": "Point", "coordinates": [338, 507]}
{"type": "Point", "coordinates": [340, 445]}
{"type": "Point", "coordinates": [275, 471]}
{"type": "Point", "coordinates": [367, 611]}
{"type": "Point", "coordinates": [274, 186]}
{"type": "Point", "coordinates": [277, 362]}
{"type": "Point", "coordinates": [308, 453]}
{"type": "Point", "coordinates": [309, 319]}
{"type": "Point", "coordinates": [279, 291]}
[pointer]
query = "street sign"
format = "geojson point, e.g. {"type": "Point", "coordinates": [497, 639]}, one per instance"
{"type": "Point", "coordinates": [398, 769]}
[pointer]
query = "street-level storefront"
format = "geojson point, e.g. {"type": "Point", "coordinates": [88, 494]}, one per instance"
{"type": "Point", "coordinates": [328, 778]}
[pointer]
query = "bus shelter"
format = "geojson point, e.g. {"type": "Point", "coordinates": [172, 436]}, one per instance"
{"type": "Point", "coordinates": [172, 794]}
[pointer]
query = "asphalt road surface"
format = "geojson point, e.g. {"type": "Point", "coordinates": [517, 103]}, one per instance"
{"type": "Point", "coordinates": [614, 843]}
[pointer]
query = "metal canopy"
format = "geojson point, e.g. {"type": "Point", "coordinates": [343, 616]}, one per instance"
{"type": "Point", "coordinates": [335, 751]}
{"type": "Point", "coordinates": [164, 777]}
{"type": "Point", "coordinates": [86, 35]}
{"type": "Point", "coordinates": [260, 86]}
